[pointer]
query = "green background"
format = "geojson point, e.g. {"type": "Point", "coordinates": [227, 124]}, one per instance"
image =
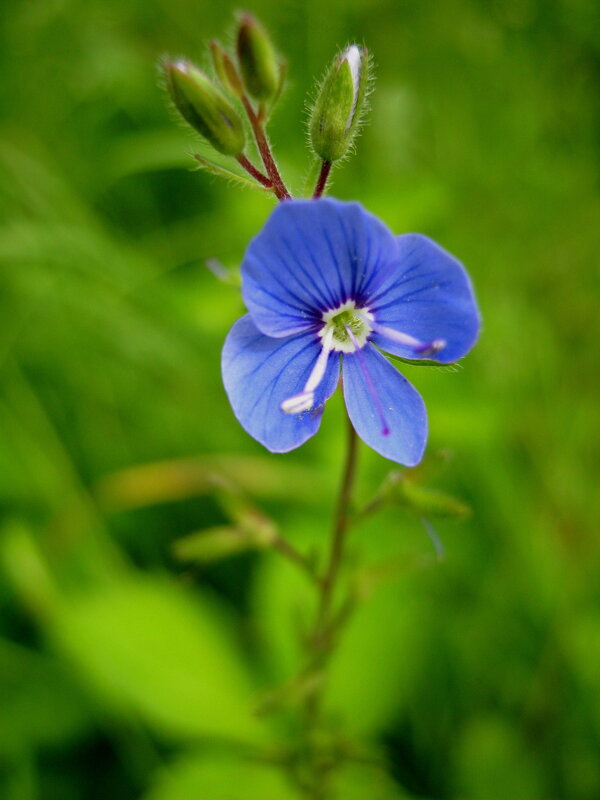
{"type": "Point", "coordinates": [120, 666]}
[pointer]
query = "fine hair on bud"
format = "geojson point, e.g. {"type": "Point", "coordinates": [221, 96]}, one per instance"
{"type": "Point", "coordinates": [341, 103]}
{"type": "Point", "coordinates": [204, 107]}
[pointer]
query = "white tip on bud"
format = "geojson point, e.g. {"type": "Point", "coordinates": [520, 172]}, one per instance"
{"type": "Point", "coordinates": [352, 56]}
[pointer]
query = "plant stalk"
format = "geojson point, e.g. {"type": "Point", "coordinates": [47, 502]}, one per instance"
{"type": "Point", "coordinates": [256, 173]}
{"type": "Point", "coordinates": [322, 641]}
{"type": "Point", "coordinates": [322, 180]}
{"type": "Point", "coordinates": [279, 186]}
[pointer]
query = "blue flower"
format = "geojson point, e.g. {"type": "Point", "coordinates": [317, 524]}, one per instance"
{"type": "Point", "coordinates": [327, 287]}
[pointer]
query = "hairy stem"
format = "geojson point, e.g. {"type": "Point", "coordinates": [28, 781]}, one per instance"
{"type": "Point", "coordinates": [322, 180]}
{"type": "Point", "coordinates": [256, 173]}
{"type": "Point", "coordinates": [264, 149]}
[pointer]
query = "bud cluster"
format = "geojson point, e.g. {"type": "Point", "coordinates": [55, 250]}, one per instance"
{"type": "Point", "coordinates": [247, 83]}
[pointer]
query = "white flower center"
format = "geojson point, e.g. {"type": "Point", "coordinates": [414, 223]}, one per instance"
{"type": "Point", "coordinates": [347, 327]}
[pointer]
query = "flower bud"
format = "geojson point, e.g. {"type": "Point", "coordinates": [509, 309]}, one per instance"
{"type": "Point", "coordinates": [340, 104]}
{"type": "Point", "coordinates": [204, 107]}
{"type": "Point", "coordinates": [225, 70]}
{"type": "Point", "coordinates": [257, 59]}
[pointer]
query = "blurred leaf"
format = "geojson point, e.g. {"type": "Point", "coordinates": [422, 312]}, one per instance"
{"type": "Point", "coordinates": [41, 704]}
{"type": "Point", "coordinates": [378, 658]}
{"type": "Point", "coordinates": [582, 645]}
{"type": "Point", "coordinates": [213, 544]}
{"type": "Point", "coordinates": [284, 605]}
{"type": "Point", "coordinates": [150, 646]}
{"type": "Point", "coordinates": [379, 652]}
{"type": "Point", "coordinates": [427, 502]}
{"type": "Point", "coordinates": [177, 479]}
{"type": "Point", "coordinates": [362, 781]}
{"type": "Point", "coordinates": [403, 490]}
{"type": "Point", "coordinates": [219, 777]}
{"type": "Point", "coordinates": [27, 569]}
{"type": "Point", "coordinates": [493, 762]}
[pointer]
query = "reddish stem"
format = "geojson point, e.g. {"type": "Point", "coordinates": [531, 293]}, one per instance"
{"type": "Point", "coordinates": [322, 182]}
{"type": "Point", "coordinates": [256, 173]}
{"type": "Point", "coordinates": [265, 152]}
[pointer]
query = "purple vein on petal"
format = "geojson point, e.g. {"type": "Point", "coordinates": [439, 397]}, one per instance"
{"type": "Point", "coordinates": [385, 429]}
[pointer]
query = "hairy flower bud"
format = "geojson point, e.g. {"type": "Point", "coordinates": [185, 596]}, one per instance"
{"type": "Point", "coordinates": [258, 61]}
{"type": "Point", "coordinates": [340, 104]}
{"type": "Point", "coordinates": [226, 70]}
{"type": "Point", "coordinates": [203, 106]}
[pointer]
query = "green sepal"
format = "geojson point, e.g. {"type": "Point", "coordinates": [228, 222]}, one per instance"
{"type": "Point", "coordinates": [204, 107]}
{"type": "Point", "coordinates": [258, 60]}
{"type": "Point", "coordinates": [425, 362]}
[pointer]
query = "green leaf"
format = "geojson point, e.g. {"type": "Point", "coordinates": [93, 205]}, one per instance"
{"type": "Point", "coordinates": [149, 646]}
{"type": "Point", "coordinates": [377, 661]}
{"type": "Point", "coordinates": [221, 777]}
{"type": "Point", "coordinates": [285, 607]}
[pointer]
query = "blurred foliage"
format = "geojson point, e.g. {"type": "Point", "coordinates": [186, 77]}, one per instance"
{"type": "Point", "coordinates": [124, 673]}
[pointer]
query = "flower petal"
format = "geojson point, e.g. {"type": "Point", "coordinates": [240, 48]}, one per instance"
{"type": "Point", "coordinates": [313, 256]}
{"type": "Point", "coordinates": [386, 410]}
{"type": "Point", "coordinates": [430, 297]}
{"type": "Point", "coordinates": [260, 372]}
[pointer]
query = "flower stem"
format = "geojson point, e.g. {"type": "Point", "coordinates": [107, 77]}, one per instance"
{"type": "Point", "coordinates": [262, 142]}
{"type": "Point", "coordinates": [342, 517]}
{"type": "Point", "coordinates": [256, 173]}
{"type": "Point", "coordinates": [322, 640]}
{"type": "Point", "coordinates": [322, 180]}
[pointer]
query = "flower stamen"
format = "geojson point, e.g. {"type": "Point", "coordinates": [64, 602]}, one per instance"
{"type": "Point", "coordinates": [347, 317]}
{"type": "Point", "coordinates": [419, 347]}
{"type": "Point", "coordinates": [304, 401]}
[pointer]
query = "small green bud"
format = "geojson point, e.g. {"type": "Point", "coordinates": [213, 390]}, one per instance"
{"type": "Point", "coordinates": [340, 104]}
{"type": "Point", "coordinates": [226, 70]}
{"type": "Point", "coordinates": [258, 60]}
{"type": "Point", "coordinates": [204, 107]}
